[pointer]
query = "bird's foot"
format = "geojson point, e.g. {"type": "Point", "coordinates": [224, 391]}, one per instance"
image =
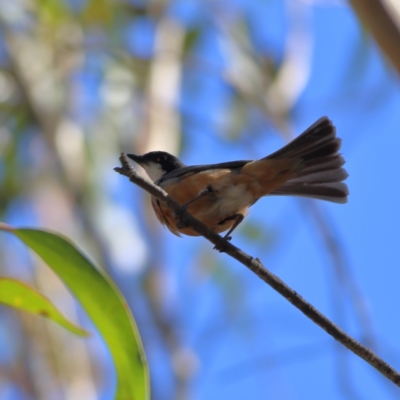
{"type": "Point", "coordinates": [222, 246]}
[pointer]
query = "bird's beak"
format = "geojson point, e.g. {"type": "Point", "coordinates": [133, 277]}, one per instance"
{"type": "Point", "coordinates": [137, 159]}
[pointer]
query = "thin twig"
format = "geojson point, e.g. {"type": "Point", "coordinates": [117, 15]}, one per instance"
{"type": "Point", "coordinates": [255, 265]}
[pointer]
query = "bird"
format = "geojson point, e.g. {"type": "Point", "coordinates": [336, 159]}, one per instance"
{"type": "Point", "coordinates": [220, 195]}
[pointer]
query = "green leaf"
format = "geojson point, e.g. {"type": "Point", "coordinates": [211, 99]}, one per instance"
{"type": "Point", "coordinates": [16, 294]}
{"type": "Point", "coordinates": [190, 40]}
{"type": "Point", "coordinates": [104, 304]}
{"type": "Point", "coordinates": [52, 12]}
{"type": "Point", "coordinates": [98, 12]}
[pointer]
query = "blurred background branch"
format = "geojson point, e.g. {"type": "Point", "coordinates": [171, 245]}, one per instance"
{"type": "Point", "coordinates": [382, 19]}
{"type": "Point", "coordinates": [81, 81]}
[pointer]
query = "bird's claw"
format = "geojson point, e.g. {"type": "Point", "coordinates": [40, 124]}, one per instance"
{"type": "Point", "coordinates": [222, 247]}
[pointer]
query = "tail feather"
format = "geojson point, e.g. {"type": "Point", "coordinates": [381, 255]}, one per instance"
{"type": "Point", "coordinates": [322, 164]}
{"type": "Point", "coordinates": [325, 176]}
{"type": "Point", "coordinates": [335, 192]}
{"type": "Point", "coordinates": [315, 137]}
{"type": "Point", "coordinates": [320, 173]}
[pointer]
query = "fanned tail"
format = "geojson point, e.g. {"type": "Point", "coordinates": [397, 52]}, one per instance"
{"type": "Point", "coordinates": [320, 174]}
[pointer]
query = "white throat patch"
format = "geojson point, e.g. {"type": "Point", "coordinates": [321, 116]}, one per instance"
{"type": "Point", "coordinates": [154, 171]}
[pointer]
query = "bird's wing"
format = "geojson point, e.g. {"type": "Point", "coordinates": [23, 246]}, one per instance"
{"type": "Point", "coordinates": [194, 169]}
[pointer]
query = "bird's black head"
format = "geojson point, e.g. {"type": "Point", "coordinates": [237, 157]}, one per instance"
{"type": "Point", "coordinates": [157, 163]}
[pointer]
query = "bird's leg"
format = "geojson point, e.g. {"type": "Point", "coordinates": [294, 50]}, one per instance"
{"type": "Point", "coordinates": [207, 190]}
{"type": "Point", "coordinates": [238, 219]}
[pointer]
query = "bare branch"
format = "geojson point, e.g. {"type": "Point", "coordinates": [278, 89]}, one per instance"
{"type": "Point", "coordinates": [255, 265]}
